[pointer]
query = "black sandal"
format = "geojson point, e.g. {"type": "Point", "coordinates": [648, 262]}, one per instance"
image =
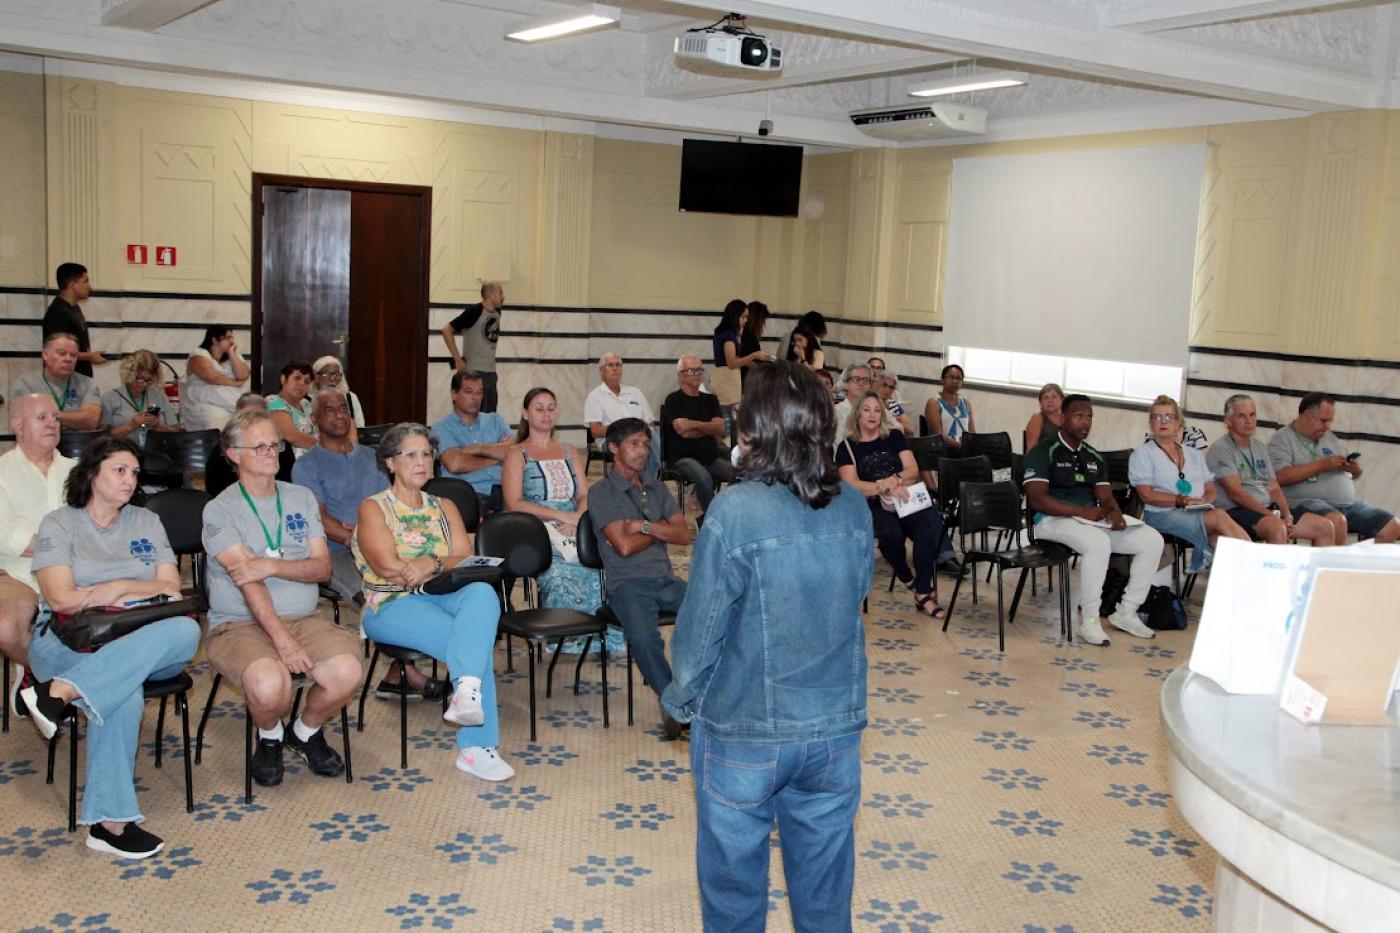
{"type": "Point", "coordinates": [921, 602]}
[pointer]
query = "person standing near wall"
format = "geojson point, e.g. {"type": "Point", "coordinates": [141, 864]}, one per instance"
{"type": "Point", "coordinates": [480, 327]}
{"type": "Point", "coordinates": [64, 316]}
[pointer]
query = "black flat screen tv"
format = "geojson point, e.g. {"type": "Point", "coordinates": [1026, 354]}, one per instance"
{"type": "Point", "coordinates": [740, 178]}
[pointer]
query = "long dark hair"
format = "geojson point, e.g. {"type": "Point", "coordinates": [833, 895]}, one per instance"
{"type": "Point", "coordinates": [810, 352]}
{"type": "Point", "coordinates": [78, 490]}
{"type": "Point", "coordinates": [729, 320]}
{"type": "Point", "coordinates": [212, 333]}
{"type": "Point", "coordinates": [787, 420]}
{"type": "Point", "coordinates": [815, 324]}
{"type": "Point", "coordinates": [522, 431]}
{"type": "Point", "coordinates": [758, 317]}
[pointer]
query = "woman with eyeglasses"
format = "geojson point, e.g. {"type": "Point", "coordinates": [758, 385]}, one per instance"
{"type": "Point", "coordinates": [1177, 488]}
{"type": "Point", "coordinates": [139, 404]}
{"type": "Point", "coordinates": [330, 374]}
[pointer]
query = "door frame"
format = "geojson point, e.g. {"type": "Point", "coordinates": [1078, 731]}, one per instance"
{"type": "Point", "coordinates": [421, 321]}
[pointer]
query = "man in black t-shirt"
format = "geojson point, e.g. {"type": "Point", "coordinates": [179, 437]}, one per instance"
{"type": "Point", "coordinates": [480, 327]}
{"type": "Point", "coordinates": [691, 424]}
{"type": "Point", "coordinates": [65, 317]}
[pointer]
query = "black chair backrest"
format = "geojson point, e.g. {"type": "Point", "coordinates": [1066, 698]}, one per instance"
{"type": "Point", "coordinates": [988, 507]}
{"type": "Point", "coordinates": [461, 494]}
{"type": "Point", "coordinates": [928, 451]}
{"type": "Point", "coordinates": [954, 471]}
{"type": "Point", "coordinates": [518, 539]}
{"type": "Point", "coordinates": [73, 443]}
{"type": "Point", "coordinates": [996, 447]}
{"type": "Point", "coordinates": [589, 547]}
{"type": "Point", "coordinates": [181, 512]}
{"type": "Point", "coordinates": [1018, 471]}
{"type": "Point", "coordinates": [188, 450]}
{"type": "Point", "coordinates": [923, 426]}
{"type": "Point", "coordinates": [371, 435]}
{"type": "Point", "coordinates": [1117, 462]}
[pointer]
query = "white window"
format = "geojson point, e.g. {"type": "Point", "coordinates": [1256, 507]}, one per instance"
{"type": "Point", "coordinates": [1135, 382]}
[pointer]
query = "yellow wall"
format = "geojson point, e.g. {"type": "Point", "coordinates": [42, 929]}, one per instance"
{"type": "Point", "coordinates": [22, 261]}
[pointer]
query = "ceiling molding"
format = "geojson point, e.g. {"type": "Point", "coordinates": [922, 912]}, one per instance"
{"type": "Point", "coordinates": [1180, 14]}
{"type": "Point", "coordinates": [148, 15]}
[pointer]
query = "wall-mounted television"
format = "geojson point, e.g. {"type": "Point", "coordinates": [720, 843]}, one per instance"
{"type": "Point", "coordinates": [740, 178]}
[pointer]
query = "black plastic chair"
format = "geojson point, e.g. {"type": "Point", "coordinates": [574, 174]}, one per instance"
{"type": "Point", "coordinates": [590, 555]}
{"type": "Point", "coordinates": [73, 443]}
{"type": "Point", "coordinates": [461, 494]}
{"type": "Point", "coordinates": [523, 543]}
{"type": "Point", "coordinates": [178, 687]}
{"type": "Point", "coordinates": [668, 474]}
{"type": "Point", "coordinates": [927, 452]}
{"type": "Point", "coordinates": [594, 455]}
{"type": "Point", "coordinates": [1123, 491]}
{"type": "Point", "coordinates": [996, 447]}
{"type": "Point", "coordinates": [987, 507]}
{"type": "Point", "coordinates": [188, 451]}
{"type": "Point", "coordinates": [371, 435]}
{"type": "Point", "coordinates": [952, 473]}
{"type": "Point", "coordinates": [181, 514]}
{"type": "Point", "coordinates": [402, 657]}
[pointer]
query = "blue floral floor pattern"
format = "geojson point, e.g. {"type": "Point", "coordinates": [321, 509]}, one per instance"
{"type": "Point", "coordinates": [1023, 790]}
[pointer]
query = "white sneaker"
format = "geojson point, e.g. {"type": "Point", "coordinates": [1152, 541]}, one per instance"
{"type": "Point", "coordinates": [465, 708]}
{"type": "Point", "coordinates": [1090, 631]}
{"type": "Point", "coordinates": [1130, 623]}
{"type": "Point", "coordinates": [484, 763]}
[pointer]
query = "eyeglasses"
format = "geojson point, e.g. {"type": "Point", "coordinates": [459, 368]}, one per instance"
{"type": "Point", "coordinates": [262, 450]}
{"type": "Point", "coordinates": [694, 371]}
{"type": "Point", "coordinates": [860, 380]}
{"type": "Point", "coordinates": [333, 374]}
{"type": "Point", "coordinates": [1163, 417]}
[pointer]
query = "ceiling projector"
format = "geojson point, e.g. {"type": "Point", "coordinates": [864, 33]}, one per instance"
{"type": "Point", "coordinates": [727, 47]}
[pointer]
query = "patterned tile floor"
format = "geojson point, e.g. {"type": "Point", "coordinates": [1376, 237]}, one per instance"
{"type": "Point", "coordinates": [1020, 791]}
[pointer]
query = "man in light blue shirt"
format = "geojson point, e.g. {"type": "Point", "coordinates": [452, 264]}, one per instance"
{"type": "Point", "coordinates": [474, 443]}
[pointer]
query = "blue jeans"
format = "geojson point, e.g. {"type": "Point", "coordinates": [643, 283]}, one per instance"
{"type": "Point", "coordinates": [637, 603]}
{"type": "Point", "coordinates": [1188, 526]}
{"type": "Point", "coordinates": [459, 628]}
{"type": "Point", "coordinates": [704, 476]}
{"type": "Point", "coordinates": [813, 789]}
{"type": "Point", "coordinates": [109, 683]}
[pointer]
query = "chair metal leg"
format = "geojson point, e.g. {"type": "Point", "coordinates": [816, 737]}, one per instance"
{"type": "Point", "coordinates": [296, 705]}
{"type": "Point", "coordinates": [403, 718]}
{"type": "Point", "coordinates": [532, 698]}
{"type": "Point", "coordinates": [72, 773]}
{"type": "Point", "coordinates": [629, 684]}
{"type": "Point", "coordinates": [1001, 615]}
{"type": "Point", "coordinates": [5, 715]}
{"type": "Point", "coordinates": [160, 730]}
{"type": "Point", "coordinates": [364, 693]}
{"type": "Point", "coordinates": [1066, 604]}
{"type": "Point", "coordinates": [578, 666]}
{"type": "Point", "coordinates": [247, 754]}
{"type": "Point", "coordinates": [183, 701]}
{"type": "Point", "coordinates": [603, 646]}
{"type": "Point", "coordinates": [953, 600]}
{"type": "Point", "coordinates": [345, 735]}
{"type": "Point", "coordinates": [554, 659]}
{"type": "Point", "coordinates": [53, 749]}
{"type": "Point", "coordinates": [1020, 585]}
{"type": "Point", "coordinates": [204, 718]}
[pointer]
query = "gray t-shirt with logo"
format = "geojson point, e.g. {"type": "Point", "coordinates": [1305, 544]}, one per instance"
{"type": "Point", "coordinates": [480, 329]}
{"type": "Point", "coordinates": [1289, 448]}
{"type": "Point", "coordinates": [1250, 464]}
{"type": "Point", "coordinates": [130, 550]}
{"type": "Point", "coordinates": [69, 395]}
{"type": "Point", "coordinates": [228, 521]}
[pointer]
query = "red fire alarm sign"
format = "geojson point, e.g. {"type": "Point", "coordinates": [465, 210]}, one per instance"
{"type": "Point", "coordinates": [136, 254]}
{"type": "Point", "coordinates": [165, 255]}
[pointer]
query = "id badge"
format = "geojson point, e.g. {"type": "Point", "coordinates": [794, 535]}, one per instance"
{"type": "Point", "coordinates": [272, 552]}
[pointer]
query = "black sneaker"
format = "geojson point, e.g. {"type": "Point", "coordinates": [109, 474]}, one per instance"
{"type": "Point", "coordinates": [133, 842]}
{"type": "Point", "coordinates": [16, 685]}
{"type": "Point", "coordinates": [267, 762]}
{"type": "Point", "coordinates": [954, 568]}
{"type": "Point", "coordinates": [434, 690]}
{"type": "Point", "coordinates": [319, 756]}
{"type": "Point", "coordinates": [46, 711]}
{"type": "Point", "coordinates": [392, 691]}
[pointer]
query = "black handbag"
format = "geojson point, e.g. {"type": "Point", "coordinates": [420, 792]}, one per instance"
{"type": "Point", "coordinates": [92, 628]}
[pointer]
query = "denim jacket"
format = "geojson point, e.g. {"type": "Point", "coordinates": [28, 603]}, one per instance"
{"type": "Point", "coordinates": [769, 645]}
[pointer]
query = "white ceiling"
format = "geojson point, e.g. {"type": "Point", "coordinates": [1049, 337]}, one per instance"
{"type": "Point", "coordinates": [1095, 64]}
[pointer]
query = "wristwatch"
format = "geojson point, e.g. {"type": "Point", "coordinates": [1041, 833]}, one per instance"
{"type": "Point", "coordinates": [646, 527]}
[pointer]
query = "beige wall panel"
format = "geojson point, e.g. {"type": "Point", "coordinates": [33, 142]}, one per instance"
{"type": "Point", "coordinates": [486, 186]}
{"type": "Point", "coordinates": [22, 257]}
{"type": "Point", "coordinates": [648, 254]}
{"type": "Point", "coordinates": [868, 180]}
{"type": "Point", "coordinates": [314, 142]}
{"type": "Point", "coordinates": [566, 217]}
{"type": "Point", "coordinates": [183, 176]}
{"type": "Point", "coordinates": [82, 177]}
{"type": "Point", "coordinates": [820, 245]}
{"type": "Point", "coordinates": [920, 235]}
{"type": "Point", "coordinates": [1384, 325]}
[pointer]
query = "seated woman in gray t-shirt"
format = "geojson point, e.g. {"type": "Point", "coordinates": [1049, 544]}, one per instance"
{"type": "Point", "coordinates": [100, 551]}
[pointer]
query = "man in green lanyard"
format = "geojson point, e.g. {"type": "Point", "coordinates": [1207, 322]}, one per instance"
{"type": "Point", "coordinates": [79, 403]}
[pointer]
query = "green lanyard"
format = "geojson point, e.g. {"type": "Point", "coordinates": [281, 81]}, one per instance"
{"type": "Point", "coordinates": [131, 398]}
{"type": "Point", "coordinates": [1248, 459]}
{"type": "Point", "coordinates": [274, 548]}
{"type": "Point", "coordinates": [1303, 442]}
{"type": "Point", "coordinates": [67, 386]}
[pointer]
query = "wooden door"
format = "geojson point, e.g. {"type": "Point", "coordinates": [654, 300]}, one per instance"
{"type": "Point", "coordinates": [387, 356]}
{"type": "Point", "coordinates": [304, 289]}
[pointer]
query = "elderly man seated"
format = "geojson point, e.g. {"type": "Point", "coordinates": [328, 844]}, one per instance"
{"type": "Point", "coordinates": [855, 381]}
{"type": "Point", "coordinates": [1246, 487]}
{"type": "Point", "coordinates": [474, 442]}
{"type": "Point", "coordinates": [1318, 473]}
{"type": "Point", "coordinates": [267, 554]}
{"type": "Point", "coordinates": [75, 395]}
{"type": "Point", "coordinates": [691, 424]}
{"type": "Point", "coordinates": [635, 518]}
{"type": "Point", "coordinates": [611, 401]}
{"type": "Point", "coordinates": [31, 486]}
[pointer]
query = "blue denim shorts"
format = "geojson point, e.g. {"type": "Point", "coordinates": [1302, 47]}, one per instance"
{"type": "Point", "coordinates": [1362, 517]}
{"type": "Point", "coordinates": [1188, 526]}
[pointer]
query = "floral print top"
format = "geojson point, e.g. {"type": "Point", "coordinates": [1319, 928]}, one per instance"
{"type": "Point", "coordinates": [421, 532]}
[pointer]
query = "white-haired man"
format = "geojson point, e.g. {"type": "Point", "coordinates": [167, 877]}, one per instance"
{"type": "Point", "coordinates": [612, 401]}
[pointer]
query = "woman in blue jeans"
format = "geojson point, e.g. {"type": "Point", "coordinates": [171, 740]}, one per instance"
{"type": "Point", "coordinates": [768, 662]}
{"type": "Point", "coordinates": [99, 551]}
{"type": "Point", "coordinates": [405, 536]}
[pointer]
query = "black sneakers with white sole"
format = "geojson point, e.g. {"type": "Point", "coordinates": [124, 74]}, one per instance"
{"type": "Point", "coordinates": [131, 842]}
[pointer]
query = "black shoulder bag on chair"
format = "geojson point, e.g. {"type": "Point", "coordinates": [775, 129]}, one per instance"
{"type": "Point", "coordinates": [92, 628]}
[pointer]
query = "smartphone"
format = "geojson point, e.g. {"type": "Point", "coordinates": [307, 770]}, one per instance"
{"type": "Point", "coordinates": [1354, 455]}
{"type": "Point", "coordinates": [152, 409]}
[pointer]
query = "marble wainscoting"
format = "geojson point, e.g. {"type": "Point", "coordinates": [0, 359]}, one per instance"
{"type": "Point", "coordinates": [1368, 404]}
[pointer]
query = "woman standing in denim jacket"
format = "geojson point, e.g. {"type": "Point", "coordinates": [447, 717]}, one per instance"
{"type": "Point", "coordinates": [769, 663]}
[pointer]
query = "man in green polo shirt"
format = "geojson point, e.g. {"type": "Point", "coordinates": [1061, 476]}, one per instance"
{"type": "Point", "coordinates": [79, 403]}
{"type": "Point", "coordinates": [1066, 483]}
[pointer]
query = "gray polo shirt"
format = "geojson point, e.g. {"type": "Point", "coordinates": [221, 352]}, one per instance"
{"type": "Point", "coordinates": [1250, 464]}
{"type": "Point", "coordinates": [70, 395]}
{"type": "Point", "coordinates": [228, 521]}
{"type": "Point", "coordinates": [130, 550]}
{"type": "Point", "coordinates": [1289, 448]}
{"type": "Point", "coordinates": [615, 499]}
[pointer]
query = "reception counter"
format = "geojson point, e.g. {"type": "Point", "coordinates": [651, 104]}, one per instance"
{"type": "Point", "coordinates": [1306, 819]}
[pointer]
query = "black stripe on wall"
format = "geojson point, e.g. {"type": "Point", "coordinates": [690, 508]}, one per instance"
{"type": "Point", "coordinates": [1344, 435]}
{"type": "Point", "coordinates": [1292, 393]}
{"type": "Point", "coordinates": [1297, 357]}
{"type": "Point", "coordinates": [174, 296]}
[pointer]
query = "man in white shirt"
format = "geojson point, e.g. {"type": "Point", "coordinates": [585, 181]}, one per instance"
{"type": "Point", "coordinates": [611, 401]}
{"type": "Point", "coordinates": [32, 476]}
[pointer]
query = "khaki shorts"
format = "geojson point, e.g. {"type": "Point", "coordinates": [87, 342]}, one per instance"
{"type": "Point", "coordinates": [233, 646]}
{"type": "Point", "coordinates": [13, 590]}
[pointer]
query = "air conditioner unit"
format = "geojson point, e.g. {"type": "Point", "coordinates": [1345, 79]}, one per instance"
{"type": "Point", "coordinates": [920, 121]}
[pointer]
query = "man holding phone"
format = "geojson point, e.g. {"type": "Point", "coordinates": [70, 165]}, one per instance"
{"type": "Point", "coordinates": [1318, 472]}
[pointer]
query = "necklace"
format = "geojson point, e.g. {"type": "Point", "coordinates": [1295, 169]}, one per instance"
{"type": "Point", "coordinates": [1183, 485]}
